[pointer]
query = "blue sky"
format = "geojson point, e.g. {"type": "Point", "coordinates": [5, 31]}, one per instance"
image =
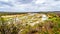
{"type": "Point", "coordinates": [29, 5]}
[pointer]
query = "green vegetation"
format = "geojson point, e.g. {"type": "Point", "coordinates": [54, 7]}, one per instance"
{"type": "Point", "coordinates": [22, 25]}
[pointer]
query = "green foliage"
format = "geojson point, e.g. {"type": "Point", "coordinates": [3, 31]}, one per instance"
{"type": "Point", "coordinates": [50, 26]}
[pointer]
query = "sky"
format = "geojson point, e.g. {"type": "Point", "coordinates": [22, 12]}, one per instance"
{"type": "Point", "coordinates": [29, 5]}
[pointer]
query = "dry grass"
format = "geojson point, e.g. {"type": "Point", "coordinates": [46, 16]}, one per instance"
{"type": "Point", "coordinates": [50, 26]}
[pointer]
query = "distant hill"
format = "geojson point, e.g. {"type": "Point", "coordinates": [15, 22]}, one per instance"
{"type": "Point", "coordinates": [13, 13]}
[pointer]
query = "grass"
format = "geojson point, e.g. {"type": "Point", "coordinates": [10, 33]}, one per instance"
{"type": "Point", "coordinates": [50, 26]}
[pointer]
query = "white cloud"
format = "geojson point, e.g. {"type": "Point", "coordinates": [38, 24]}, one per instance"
{"type": "Point", "coordinates": [39, 1]}
{"type": "Point", "coordinates": [35, 5]}
{"type": "Point", "coordinates": [4, 0]}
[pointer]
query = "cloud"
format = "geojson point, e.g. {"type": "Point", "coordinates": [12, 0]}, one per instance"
{"type": "Point", "coordinates": [39, 1]}
{"type": "Point", "coordinates": [29, 5]}
{"type": "Point", "coordinates": [5, 3]}
{"type": "Point", "coordinates": [24, 1]}
{"type": "Point", "coordinates": [4, 0]}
